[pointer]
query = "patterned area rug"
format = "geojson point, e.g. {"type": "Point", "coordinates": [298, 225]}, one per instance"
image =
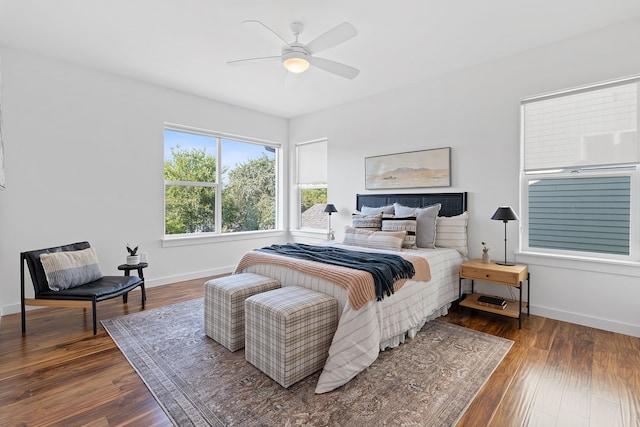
{"type": "Point", "coordinates": [428, 381]}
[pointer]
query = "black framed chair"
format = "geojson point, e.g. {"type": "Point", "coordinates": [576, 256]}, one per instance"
{"type": "Point", "coordinates": [85, 296]}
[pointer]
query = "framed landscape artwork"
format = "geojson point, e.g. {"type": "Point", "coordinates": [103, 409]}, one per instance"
{"type": "Point", "coordinates": [414, 169]}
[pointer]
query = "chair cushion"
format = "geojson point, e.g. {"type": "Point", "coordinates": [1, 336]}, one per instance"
{"type": "Point", "coordinates": [102, 288]}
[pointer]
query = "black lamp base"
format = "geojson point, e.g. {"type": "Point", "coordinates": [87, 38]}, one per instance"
{"type": "Point", "coordinates": [505, 263]}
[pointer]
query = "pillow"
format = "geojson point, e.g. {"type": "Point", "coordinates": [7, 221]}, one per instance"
{"type": "Point", "coordinates": [402, 210]}
{"type": "Point", "coordinates": [407, 224]}
{"type": "Point", "coordinates": [365, 210]}
{"type": "Point", "coordinates": [426, 232]}
{"type": "Point", "coordinates": [451, 232]}
{"type": "Point", "coordinates": [373, 239]}
{"type": "Point", "coordinates": [368, 222]}
{"type": "Point", "coordinates": [69, 269]}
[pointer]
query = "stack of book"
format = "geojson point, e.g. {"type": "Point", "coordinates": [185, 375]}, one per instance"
{"type": "Point", "coordinates": [493, 302]}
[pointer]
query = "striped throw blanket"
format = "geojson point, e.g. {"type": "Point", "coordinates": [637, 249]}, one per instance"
{"type": "Point", "coordinates": [366, 276]}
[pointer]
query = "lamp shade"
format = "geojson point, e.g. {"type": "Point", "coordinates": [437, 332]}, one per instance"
{"type": "Point", "coordinates": [295, 62]}
{"type": "Point", "coordinates": [505, 213]}
{"type": "Point", "coordinates": [330, 208]}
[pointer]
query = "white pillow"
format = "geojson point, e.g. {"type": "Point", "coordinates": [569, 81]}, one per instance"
{"type": "Point", "coordinates": [451, 232]}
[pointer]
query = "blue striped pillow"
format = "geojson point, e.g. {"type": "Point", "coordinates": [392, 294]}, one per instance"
{"type": "Point", "coordinates": [69, 269]}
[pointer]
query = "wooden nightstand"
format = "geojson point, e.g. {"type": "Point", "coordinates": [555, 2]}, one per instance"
{"type": "Point", "coordinates": [509, 275]}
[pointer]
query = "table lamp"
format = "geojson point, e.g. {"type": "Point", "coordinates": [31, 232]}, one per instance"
{"type": "Point", "coordinates": [330, 208]}
{"type": "Point", "coordinates": [505, 214]}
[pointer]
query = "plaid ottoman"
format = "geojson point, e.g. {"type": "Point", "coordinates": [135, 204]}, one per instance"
{"type": "Point", "coordinates": [224, 306]}
{"type": "Point", "coordinates": [288, 332]}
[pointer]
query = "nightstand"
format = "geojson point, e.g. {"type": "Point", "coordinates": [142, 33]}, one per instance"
{"type": "Point", "coordinates": [508, 275]}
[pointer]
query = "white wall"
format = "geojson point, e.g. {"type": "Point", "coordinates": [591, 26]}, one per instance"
{"type": "Point", "coordinates": [78, 140]}
{"type": "Point", "coordinates": [476, 112]}
{"type": "Point", "coordinates": [84, 161]}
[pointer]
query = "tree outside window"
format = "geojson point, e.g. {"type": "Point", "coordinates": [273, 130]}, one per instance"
{"type": "Point", "coordinates": [218, 185]}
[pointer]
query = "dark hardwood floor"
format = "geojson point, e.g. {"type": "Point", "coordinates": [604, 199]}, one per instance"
{"type": "Point", "coordinates": [556, 373]}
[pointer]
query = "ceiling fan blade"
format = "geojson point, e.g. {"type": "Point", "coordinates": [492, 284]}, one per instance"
{"type": "Point", "coordinates": [268, 35]}
{"type": "Point", "coordinates": [333, 37]}
{"type": "Point", "coordinates": [292, 80]}
{"type": "Point", "coordinates": [334, 67]}
{"type": "Point", "coordinates": [259, 58]}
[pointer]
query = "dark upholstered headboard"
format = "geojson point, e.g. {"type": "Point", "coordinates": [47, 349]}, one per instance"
{"type": "Point", "coordinates": [452, 203]}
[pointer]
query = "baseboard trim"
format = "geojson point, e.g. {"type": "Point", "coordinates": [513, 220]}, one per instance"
{"type": "Point", "coordinates": [565, 316]}
{"type": "Point", "coordinates": [188, 276]}
{"type": "Point", "coordinates": [582, 319]}
{"type": "Point", "coordinates": [149, 283]}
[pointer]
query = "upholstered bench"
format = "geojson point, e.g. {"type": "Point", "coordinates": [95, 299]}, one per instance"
{"type": "Point", "coordinates": [288, 332]}
{"type": "Point", "coordinates": [224, 306]}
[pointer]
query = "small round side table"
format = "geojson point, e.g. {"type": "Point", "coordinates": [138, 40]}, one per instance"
{"type": "Point", "coordinates": [127, 271]}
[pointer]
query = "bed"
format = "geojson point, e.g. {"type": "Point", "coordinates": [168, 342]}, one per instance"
{"type": "Point", "coordinates": [379, 325]}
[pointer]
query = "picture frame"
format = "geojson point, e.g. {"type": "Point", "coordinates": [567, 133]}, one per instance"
{"type": "Point", "coordinates": [413, 169]}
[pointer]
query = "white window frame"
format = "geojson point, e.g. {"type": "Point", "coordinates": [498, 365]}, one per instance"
{"type": "Point", "coordinates": [217, 236]}
{"type": "Point", "coordinates": [300, 186]}
{"type": "Point", "coordinates": [630, 170]}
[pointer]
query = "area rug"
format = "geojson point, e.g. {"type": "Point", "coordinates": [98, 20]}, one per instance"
{"type": "Point", "coordinates": [428, 381]}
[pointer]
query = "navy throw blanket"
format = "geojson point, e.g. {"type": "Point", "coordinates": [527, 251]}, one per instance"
{"type": "Point", "coordinates": [385, 268]}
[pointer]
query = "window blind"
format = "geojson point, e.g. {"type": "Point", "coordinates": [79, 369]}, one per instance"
{"type": "Point", "coordinates": [581, 214]}
{"type": "Point", "coordinates": [590, 127]}
{"type": "Point", "coordinates": [312, 162]}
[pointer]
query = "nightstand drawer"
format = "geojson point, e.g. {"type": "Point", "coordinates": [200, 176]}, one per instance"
{"type": "Point", "coordinates": [490, 275]}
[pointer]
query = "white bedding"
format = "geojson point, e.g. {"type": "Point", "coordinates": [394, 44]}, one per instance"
{"type": "Point", "coordinates": [362, 334]}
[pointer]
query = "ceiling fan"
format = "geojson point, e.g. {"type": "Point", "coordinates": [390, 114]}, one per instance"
{"type": "Point", "coordinates": [297, 57]}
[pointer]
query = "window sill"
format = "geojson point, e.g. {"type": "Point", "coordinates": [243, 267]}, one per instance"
{"type": "Point", "coordinates": [203, 239]}
{"type": "Point", "coordinates": [310, 233]}
{"type": "Point", "coordinates": [598, 265]}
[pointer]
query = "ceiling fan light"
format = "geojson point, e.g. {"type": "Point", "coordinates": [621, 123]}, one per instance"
{"type": "Point", "coordinates": [295, 62]}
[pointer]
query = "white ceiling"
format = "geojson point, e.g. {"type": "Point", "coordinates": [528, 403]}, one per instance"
{"type": "Point", "coordinates": [184, 44]}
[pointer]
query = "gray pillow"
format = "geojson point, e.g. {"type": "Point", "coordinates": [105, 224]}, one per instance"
{"type": "Point", "coordinates": [366, 210]}
{"type": "Point", "coordinates": [402, 210]}
{"type": "Point", "coordinates": [426, 228]}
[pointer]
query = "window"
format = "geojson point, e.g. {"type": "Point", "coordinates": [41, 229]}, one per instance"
{"type": "Point", "coordinates": [579, 171]}
{"type": "Point", "coordinates": [312, 184]}
{"type": "Point", "coordinates": [216, 184]}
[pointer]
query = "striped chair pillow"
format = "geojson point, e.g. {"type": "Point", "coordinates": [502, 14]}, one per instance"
{"type": "Point", "coordinates": [69, 269]}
